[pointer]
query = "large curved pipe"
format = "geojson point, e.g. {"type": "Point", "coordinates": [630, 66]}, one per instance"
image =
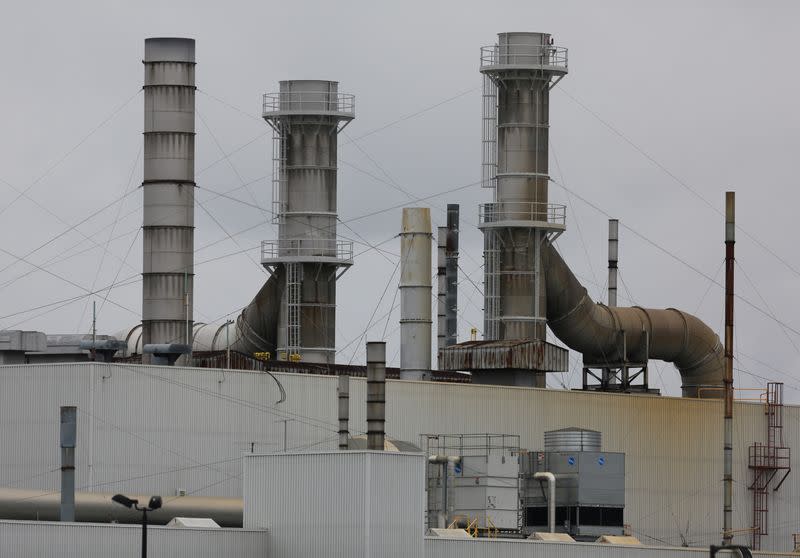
{"type": "Point", "coordinates": [597, 331]}
{"type": "Point", "coordinates": [97, 507]}
{"type": "Point", "coordinates": [551, 497]}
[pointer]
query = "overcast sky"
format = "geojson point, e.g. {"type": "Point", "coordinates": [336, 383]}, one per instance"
{"type": "Point", "coordinates": [666, 105]}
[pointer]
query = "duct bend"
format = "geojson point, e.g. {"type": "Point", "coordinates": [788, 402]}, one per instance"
{"type": "Point", "coordinates": [597, 331]}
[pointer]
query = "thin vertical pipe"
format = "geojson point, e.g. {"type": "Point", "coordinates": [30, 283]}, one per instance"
{"type": "Point", "coordinates": [730, 240]}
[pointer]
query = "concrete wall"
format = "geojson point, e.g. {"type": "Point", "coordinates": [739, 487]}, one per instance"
{"type": "Point", "coordinates": [154, 430]}
{"type": "Point", "coordinates": [80, 540]}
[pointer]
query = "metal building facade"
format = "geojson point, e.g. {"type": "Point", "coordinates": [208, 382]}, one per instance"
{"type": "Point", "coordinates": [353, 503]}
{"type": "Point", "coordinates": [156, 429]}
{"type": "Point", "coordinates": [80, 540]}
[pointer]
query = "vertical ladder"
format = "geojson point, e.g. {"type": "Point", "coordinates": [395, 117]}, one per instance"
{"type": "Point", "coordinates": [489, 134]}
{"type": "Point", "coordinates": [293, 284]}
{"type": "Point", "coordinates": [491, 256]}
{"type": "Point", "coordinates": [279, 178]}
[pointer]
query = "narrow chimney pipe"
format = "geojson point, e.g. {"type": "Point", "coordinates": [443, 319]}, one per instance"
{"type": "Point", "coordinates": [613, 255]}
{"type": "Point", "coordinates": [68, 436]}
{"type": "Point", "coordinates": [344, 411]}
{"type": "Point", "coordinates": [415, 294]}
{"type": "Point", "coordinates": [451, 274]}
{"type": "Point", "coordinates": [441, 285]}
{"type": "Point", "coordinates": [551, 497]}
{"type": "Point", "coordinates": [730, 240]}
{"type": "Point", "coordinates": [376, 395]}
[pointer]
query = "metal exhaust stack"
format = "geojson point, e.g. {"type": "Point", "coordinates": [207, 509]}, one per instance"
{"type": "Point", "coordinates": [376, 395]}
{"type": "Point", "coordinates": [730, 240]}
{"type": "Point", "coordinates": [451, 274]}
{"type": "Point", "coordinates": [68, 442]}
{"type": "Point", "coordinates": [168, 187]}
{"type": "Point", "coordinates": [343, 398]}
{"type": "Point", "coordinates": [306, 117]}
{"type": "Point", "coordinates": [415, 294]}
{"type": "Point", "coordinates": [441, 285]}
{"type": "Point", "coordinates": [613, 255]}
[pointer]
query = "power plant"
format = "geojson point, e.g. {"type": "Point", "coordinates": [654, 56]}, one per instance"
{"type": "Point", "coordinates": [252, 438]}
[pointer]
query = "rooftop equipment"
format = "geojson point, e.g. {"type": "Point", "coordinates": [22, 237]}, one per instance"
{"type": "Point", "coordinates": [589, 486]}
{"type": "Point", "coordinates": [415, 294]}
{"type": "Point", "coordinates": [306, 117]}
{"type": "Point", "coordinates": [168, 188]}
{"type": "Point", "coordinates": [15, 343]}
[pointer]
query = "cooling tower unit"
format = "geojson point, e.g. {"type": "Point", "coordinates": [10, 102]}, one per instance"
{"type": "Point", "coordinates": [307, 258]}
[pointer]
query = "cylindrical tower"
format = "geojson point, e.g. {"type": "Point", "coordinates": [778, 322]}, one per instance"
{"type": "Point", "coordinates": [376, 395]}
{"type": "Point", "coordinates": [415, 294]}
{"type": "Point", "coordinates": [168, 188]}
{"type": "Point", "coordinates": [306, 117]}
{"type": "Point", "coordinates": [521, 67]}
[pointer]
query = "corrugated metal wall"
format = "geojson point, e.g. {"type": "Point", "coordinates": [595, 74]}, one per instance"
{"type": "Point", "coordinates": [155, 429]}
{"type": "Point", "coordinates": [480, 548]}
{"type": "Point", "coordinates": [353, 503]}
{"type": "Point", "coordinates": [82, 540]}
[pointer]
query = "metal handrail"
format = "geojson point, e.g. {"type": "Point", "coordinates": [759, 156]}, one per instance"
{"type": "Point", "coordinates": [307, 247]}
{"type": "Point", "coordinates": [515, 54]}
{"type": "Point", "coordinates": [522, 211]}
{"type": "Point", "coordinates": [309, 101]}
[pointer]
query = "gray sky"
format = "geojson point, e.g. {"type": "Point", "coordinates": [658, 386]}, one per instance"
{"type": "Point", "coordinates": [707, 90]}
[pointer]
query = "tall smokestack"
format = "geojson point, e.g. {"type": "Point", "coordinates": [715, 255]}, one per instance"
{"type": "Point", "coordinates": [376, 395]}
{"type": "Point", "coordinates": [613, 254]}
{"type": "Point", "coordinates": [168, 188]}
{"type": "Point", "coordinates": [344, 411]}
{"type": "Point", "coordinates": [441, 286]}
{"type": "Point", "coordinates": [68, 436]}
{"type": "Point", "coordinates": [730, 261]}
{"type": "Point", "coordinates": [306, 117]}
{"type": "Point", "coordinates": [521, 69]}
{"type": "Point", "coordinates": [415, 294]}
{"type": "Point", "coordinates": [451, 274]}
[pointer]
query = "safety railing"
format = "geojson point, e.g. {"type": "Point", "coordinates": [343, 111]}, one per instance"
{"type": "Point", "coordinates": [306, 248]}
{"type": "Point", "coordinates": [552, 213]}
{"type": "Point", "coordinates": [524, 55]}
{"type": "Point", "coordinates": [309, 101]}
{"type": "Point", "coordinates": [763, 456]}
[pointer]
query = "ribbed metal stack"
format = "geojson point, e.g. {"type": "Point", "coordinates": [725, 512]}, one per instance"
{"type": "Point", "coordinates": [573, 439]}
{"type": "Point", "coordinates": [168, 188]}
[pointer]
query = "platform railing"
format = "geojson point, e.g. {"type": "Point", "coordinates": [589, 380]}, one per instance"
{"type": "Point", "coordinates": [307, 248]}
{"type": "Point", "coordinates": [552, 213]}
{"type": "Point", "coordinates": [524, 55]}
{"type": "Point", "coordinates": [309, 101]}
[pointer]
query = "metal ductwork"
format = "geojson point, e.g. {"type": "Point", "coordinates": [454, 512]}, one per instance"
{"type": "Point", "coordinates": [168, 187]}
{"type": "Point", "coordinates": [97, 507]}
{"type": "Point", "coordinates": [415, 294]}
{"type": "Point", "coordinates": [616, 334]}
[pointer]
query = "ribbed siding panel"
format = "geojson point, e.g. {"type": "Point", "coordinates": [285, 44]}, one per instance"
{"type": "Point", "coordinates": [82, 540]}
{"type": "Point", "coordinates": [481, 548]}
{"type": "Point", "coordinates": [342, 504]}
{"type": "Point", "coordinates": [153, 426]}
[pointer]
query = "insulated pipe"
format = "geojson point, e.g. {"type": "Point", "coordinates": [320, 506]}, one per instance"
{"type": "Point", "coordinates": [441, 284]}
{"type": "Point", "coordinates": [343, 398]}
{"type": "Point", "coordinates": [68, 442]}
{"type": "Point", "coordinates": [596, 330]}
{"type": "Point", "coordinates": [376, 395]}
{"type": "Point", "coordinates": [415, 294]}
{"type": "Point", "coordinates": [97, 507]}
{"type": "Point", "coordinates": [551, 498]}
{"type": "Point", "coordinates": [451, 274]}
{"type": "Point", "coordinates": [168, 189]}
{"type": "Point", "coordinates": [444, 461]}
{"type": "Point", "coordinates": [613, 255]}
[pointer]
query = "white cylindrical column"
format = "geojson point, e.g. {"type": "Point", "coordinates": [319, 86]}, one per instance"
{"type": "Point", "coordinates": [168, 189]}
{"type": "Point", "coordinates": [415, 294]}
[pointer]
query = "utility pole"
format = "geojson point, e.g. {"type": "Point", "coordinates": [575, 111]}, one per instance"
{"type": "Point", "coordinates": [730, 229]}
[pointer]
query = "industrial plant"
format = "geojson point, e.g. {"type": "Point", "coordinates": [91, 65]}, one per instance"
{"type": "Point", "coordinates": [251, 437]}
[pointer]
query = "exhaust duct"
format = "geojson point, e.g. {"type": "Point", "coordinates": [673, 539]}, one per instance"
{"type": "Point", "coordinates": [376, 395]}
